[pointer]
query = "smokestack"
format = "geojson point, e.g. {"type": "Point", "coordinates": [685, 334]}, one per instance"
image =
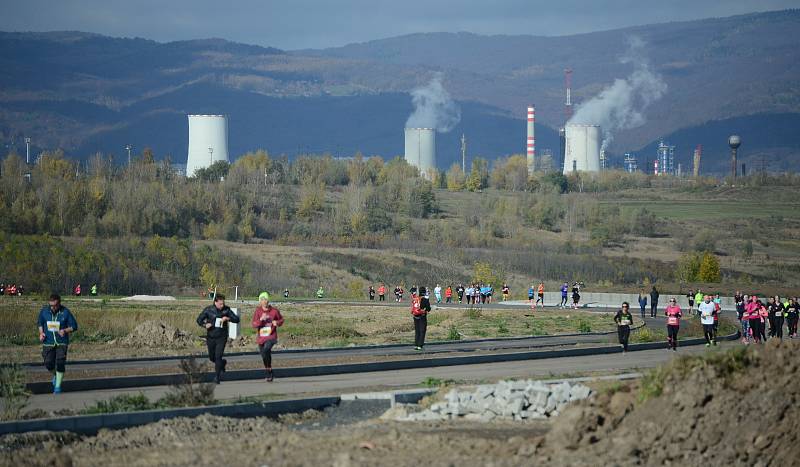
{"type": "Point", "coordinates": [698, 152]}
{"type": "Point", "coordinates": [531, 144]}
{"type": "Point", "coordinates": [568, 86]}
{"type": "Point", "coordinates": [562, 146]}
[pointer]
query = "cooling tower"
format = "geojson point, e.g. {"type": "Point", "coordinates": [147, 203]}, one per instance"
{"type": "Point", "coordinates": [582, 148]}
{"type": "Point", "coordinates": [421, 149]}
{"type": "Point", "coordinates": [208, 141]}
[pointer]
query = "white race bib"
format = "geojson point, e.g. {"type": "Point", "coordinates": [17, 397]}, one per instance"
{"type": "Point", "coordinates": [265, 331]}
{"type": "Point", "coordinates": [672, 320]}
{"type": "Point", "coordinates": [624, 322]}
{"type": "Point", "coordinates": [53, 326]}
{"type": "Point", "coordinates": [218, 323]}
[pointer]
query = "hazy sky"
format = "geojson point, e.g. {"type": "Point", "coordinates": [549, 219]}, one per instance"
{"type": "Point", "coordinates": [293, 24]}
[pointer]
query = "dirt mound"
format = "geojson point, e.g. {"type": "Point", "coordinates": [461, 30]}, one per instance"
{"type": "Point", "coordinates": [148, 298]}
{"type": "Point", "coordinates": [157, 334]}
{"type": "Point", "coordinates": [728, 408]}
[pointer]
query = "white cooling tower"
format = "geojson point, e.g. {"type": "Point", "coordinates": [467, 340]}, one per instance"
{"type": "Point", "coordinates": [582, 148]}
{"type": "Point", "coordinates": [208, 141]}
{"type": "Point", "coordinates": [421, 149]}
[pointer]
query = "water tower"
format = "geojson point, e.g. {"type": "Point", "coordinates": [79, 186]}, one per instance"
{"type": "Point", "coordinates": [734, 141]}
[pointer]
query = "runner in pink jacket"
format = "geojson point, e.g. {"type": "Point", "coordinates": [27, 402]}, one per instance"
{"type": "Point", "coordinates": [266, 321]}
{"type": "Point", "coordinates": [673, 314]}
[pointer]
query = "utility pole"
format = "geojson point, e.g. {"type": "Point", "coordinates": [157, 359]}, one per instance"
{"type": "Point", "coordinates": [463, 153]}
{"type": "Point", "coordinates": [128, 147]}
{"type": "Point", "coordinates": [210, 156]}
{"type": "Point", "coordinates": [27, 150]}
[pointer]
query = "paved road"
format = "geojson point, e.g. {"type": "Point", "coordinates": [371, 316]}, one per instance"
{"type": "Point", "coordinates": [337, 384]}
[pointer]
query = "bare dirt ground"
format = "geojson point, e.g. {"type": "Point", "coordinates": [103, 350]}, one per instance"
{"type": "Point", "coordinates": [736, 407]}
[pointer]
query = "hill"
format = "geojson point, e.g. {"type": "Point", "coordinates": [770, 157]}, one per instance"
{"type": "Point", "coordinates": [86, 92]}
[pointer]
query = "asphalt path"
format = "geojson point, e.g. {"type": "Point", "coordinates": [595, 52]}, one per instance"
{"type": "Point", "coordinates": [285, 357]}
{"type": "Point", "coordinates": [387, 380]}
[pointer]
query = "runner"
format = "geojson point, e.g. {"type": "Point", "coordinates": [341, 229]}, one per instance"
{"type": "Point", "coordinates": [792, 315]}
{"type": "Point", "coordinates": [673, 314]}
{"type": "Point", "coordinates": [690, 299]}
{"type": "Point", "coordinates": [215, 319]}
{"type": "Point", "coordinates": [285, 293]}
{"type": "Point", "coordinates": [506, 292]}
{"type": "Point", "coordinates": [741, 303]}
{"type": "Point", "coordinates": [642, 302]}
{"type": "Point", "coordinates": [77, 290]}
{"type": "Point", "coordinates": [266, 321]}
{"type": "Point", "coordinates": [717, 313]}
{"type": "Point", "coordinates": [624, 319]}
{"type": "Point", "coordinates": [698, 298]}
{"type": "Point", "coordinates": [763, 311]}
{"type": "Point", "coordinates": [707, 310]}
{"type": "Point", "coordinates": [320, 292]}
{"type": "Point", "coordinates": [776, 328]}
{"type": "Point", "coordinates": [564, 295]}
{"type": "Point", "coordinates": [576, 295]}
{"type": "Point", "coordinates": [371, 293]}
{"type": "Point", "coordinates": [420, 306]}
{"type": "Point", "coordinates": [751, 312]}
{"type": "Point", "coordinates": [93, 290]}
{"type": "Point", "coordinates": [460, 292]}
{"type": "Point", "coordinates": [382, 292]}
{"type": "Point", "coordinates": [653, 302]}
{"type": "Point", "coordinates": [531, 292]}
{"type": "Point", "coordinates": [540, 294]}
{"type": "Point", "coordinates": [413, 290]}
{"type": "Point", "coordinates": [437, 292]}
{"type": "Point", "coordinates": [448, 294]}
{"type": "Point", "coordinates": [56, 323]}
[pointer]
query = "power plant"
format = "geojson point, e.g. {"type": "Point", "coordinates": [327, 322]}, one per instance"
{"type": "Point", "coordinates": [420, 150]}
{"type": "Point", "coordinates": [531, 142]}
{"type": "Point", "coordinates": [581, 148]}
{"type": "Point", "coordinates": [666, 159]}
{"type": "Point", "coordinates": [208, 141]}
{"type": "Point", "coordinates": [698, 153]}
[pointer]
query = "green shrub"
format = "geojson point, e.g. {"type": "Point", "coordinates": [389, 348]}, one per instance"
{"type": "Point", "coordinates": [453, 334]}
{"type": "Point", "coordinates": [120, 403]}
{"type": "Point", "coordinates": [584, 326]}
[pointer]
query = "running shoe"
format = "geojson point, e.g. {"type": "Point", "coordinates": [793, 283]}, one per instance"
{"type": "Point", "coordinates": [57, 390]}
{"type": "Point", "coordinates": [224, 364]}
{"type": "Point", "coordinates": [708, 345]}
{"type": "Point", "coordinates": [270, 377]}
{"type": "Point", "coordinates": [216, 380]}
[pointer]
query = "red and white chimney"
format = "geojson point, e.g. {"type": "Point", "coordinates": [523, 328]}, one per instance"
{"type": "Point", "coordinates": [531, 143]}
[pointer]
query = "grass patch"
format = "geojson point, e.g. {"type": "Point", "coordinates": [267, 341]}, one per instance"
{"type": "Point", "coordinates": [453, 334]}
{"type": "Point", "coordinates": [473, 313]}
{"type": "Point", "coordinates": [502, 327]}
{"type": "Point", "coordinates": [583, 326]}
{"type": "Point", "coordinates": [122, 403]}
{"type": "Point", "coordinates": [648, 334]}
{"type": "Point", "coordinates": [432, 382]}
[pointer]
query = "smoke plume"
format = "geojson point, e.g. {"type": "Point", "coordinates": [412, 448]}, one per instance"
{"type": "Point", "coordinates": [433, 107]}
{"type": "Point", "coordinates": [621, 106]}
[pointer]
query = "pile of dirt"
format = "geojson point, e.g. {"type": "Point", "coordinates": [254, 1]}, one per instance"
{"type": "Point", "coordinates": [148, 298]}
{"type": "Point", "coordinates": [728, 408]}
{"type": "Point", "coordinates": [155, 334]}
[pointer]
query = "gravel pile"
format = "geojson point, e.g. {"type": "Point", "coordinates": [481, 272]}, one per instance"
{"type": "Point", "coordinates": [509, 400]}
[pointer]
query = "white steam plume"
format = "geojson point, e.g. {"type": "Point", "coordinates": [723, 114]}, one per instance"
{"type": "Point", "coordinates": [433, 107]}
{"type": "Point", "coordinates": [621, 106]}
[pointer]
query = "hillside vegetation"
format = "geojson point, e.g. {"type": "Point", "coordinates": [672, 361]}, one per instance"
{"type": "Point", "coordinates": [265, 222]}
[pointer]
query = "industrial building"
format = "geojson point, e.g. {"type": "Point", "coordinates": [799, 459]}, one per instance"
{"type": "Point", "coordinates": [581, 148]}
{"type": "Point", "coordinates": [631, 163]}
{"type": "Point", "coordinates": [420, 150]}
{"type": "Point", "coordinates": [665, 160]}
{"type": "Point", "coordinates": [208, 141]}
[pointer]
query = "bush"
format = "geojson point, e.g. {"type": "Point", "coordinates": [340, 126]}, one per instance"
{"type": "Point", "coordinates": [120, 403]}
{"type": "Point", "coordinates": [709, 269]}
{"type": "Point", "coordinates": [191, 392]}
{"type": "Point", "coordinates": [13, 393]}
{"type": "Point", "coordinates": [584, 326]}
{"type": "Point", "coordinates": [453, 334]}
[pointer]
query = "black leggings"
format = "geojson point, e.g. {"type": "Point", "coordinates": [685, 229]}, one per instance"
{"type": "Point", "coordinates": [777, 331]}
{"type": "Point", "coordinates": [624, 332]}
{"type": "Point", "coordinates": [265, 350]}
{"type": "Point", "coordinates": [216, 348]}
{"type": "Point", "coordinates": [755, 329]}
{"type": "Point", "coordinates": [653, 309]}
{"type": "Point", "coordinates": [708, 332]}
{"type": "Point", "coordinates": [771, 326]}
{"type": "Point", "coordinates": [672, 335]}
{"type": "Point", "coordinates": [792, 325]}
{"type": "Point", "coordinates": [420, 328]}
{"type": "Point", "coordinates": [55, 358]}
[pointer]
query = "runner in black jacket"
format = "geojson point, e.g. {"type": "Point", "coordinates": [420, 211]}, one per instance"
{"type": "Point", "coordinates": [215, 319]}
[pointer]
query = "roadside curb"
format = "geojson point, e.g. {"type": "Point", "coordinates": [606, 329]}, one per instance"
{"type": "Point", "coordinates": [91, 424]}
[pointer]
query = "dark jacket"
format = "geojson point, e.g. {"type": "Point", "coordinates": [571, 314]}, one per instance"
{"type": "Point", "coordinates": [65, 320]}
{"type": "Point", "coordinates": [210, 315]}
{"type": "Point", "coordinates": [654, 296]}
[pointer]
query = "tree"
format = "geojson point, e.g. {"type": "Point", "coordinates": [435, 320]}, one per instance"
{"type": "Point", "coordinates": [709, 268]}
{"type": "Point", "coordinates": [455, 178]}
{"type": "Point", "coordinates": [688, 267]}
{"type": "Point", "coordinates": [644, 223]}
{"type": "Point", "coordinates": [483, 273]}
{"type": "Point", "coordinates": [479, 175]}
{"type": "Point", "coordinates": [213, 173]}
